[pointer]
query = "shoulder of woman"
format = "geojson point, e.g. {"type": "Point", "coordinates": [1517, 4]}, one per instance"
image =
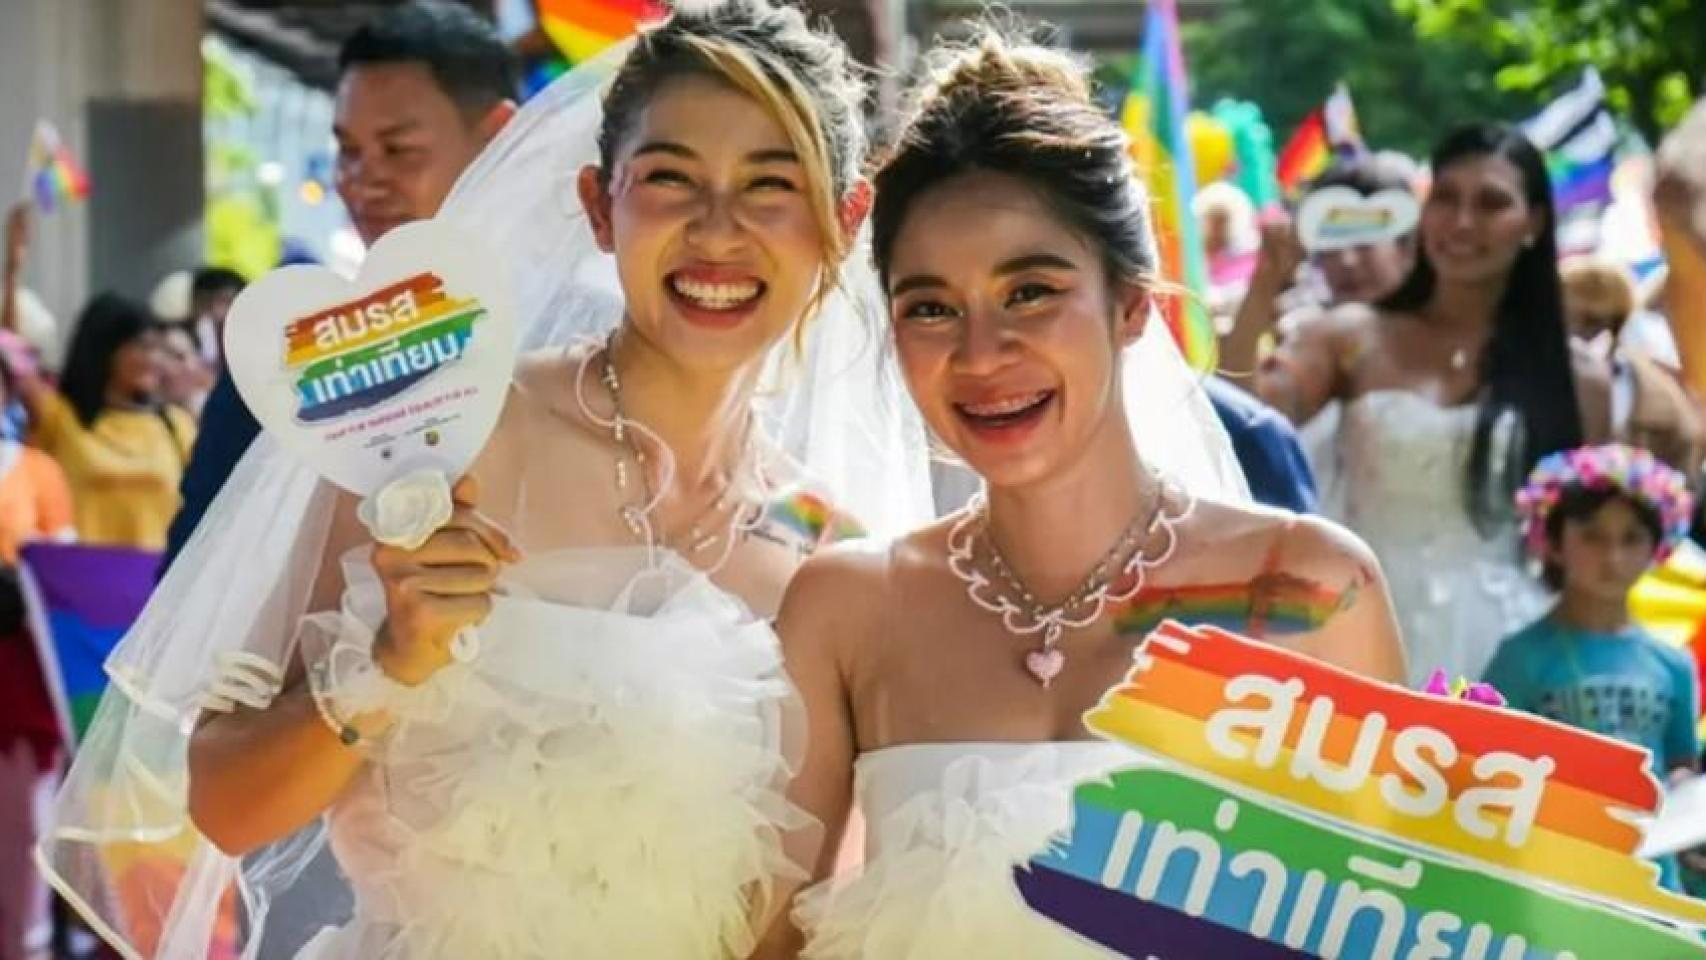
{"type": "Point", "coordinates": [1338, 320]}
{"type": "Point", "coordinates": [1318, 549]}
{"type": "Point", "coordinates": [834, 592]}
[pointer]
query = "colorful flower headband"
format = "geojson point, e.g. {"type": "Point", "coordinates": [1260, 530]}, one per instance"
{"type": "Point", "coordinates": [1635, 473]}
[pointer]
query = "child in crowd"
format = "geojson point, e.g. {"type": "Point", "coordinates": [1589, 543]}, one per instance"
{"type": "Point", "coordinates": [1598, 518]}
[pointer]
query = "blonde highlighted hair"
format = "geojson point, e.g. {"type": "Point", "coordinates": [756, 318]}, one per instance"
{"type": "Point", "coordinates": [802, 76]}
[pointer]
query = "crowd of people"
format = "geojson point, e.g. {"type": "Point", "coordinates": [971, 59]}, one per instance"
{"type": "Point", "coordinates": [710, 715]}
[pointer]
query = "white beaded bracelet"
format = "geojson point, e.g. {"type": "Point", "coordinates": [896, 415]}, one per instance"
{"type": "Point", "coordinates": [346, 732]}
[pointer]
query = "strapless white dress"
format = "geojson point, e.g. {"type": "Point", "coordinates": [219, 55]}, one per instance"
{"type": "Point", "coordinates": [1401, 462]}
{"type": "Point", "coordinates": [945, 825]}
{"type": "Point", "coordinates": [603, 781]}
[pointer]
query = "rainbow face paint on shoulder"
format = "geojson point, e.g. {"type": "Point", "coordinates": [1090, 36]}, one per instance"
{"type": "Point", "coordinates": [358, 354]}
{"type": "Point", "coordinates": [1268, 604]}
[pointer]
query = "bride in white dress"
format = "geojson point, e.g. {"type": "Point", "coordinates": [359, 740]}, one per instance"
{"type": "Point", "coordinates": [945, 673]}
{"type": "Point", "coordinates": [602, 776]}
{"type": "Point", "coordinates": [1451, 389]}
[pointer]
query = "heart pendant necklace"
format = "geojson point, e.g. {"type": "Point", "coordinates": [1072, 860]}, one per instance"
{"type": "Point", "coordinates": [1108, 581]}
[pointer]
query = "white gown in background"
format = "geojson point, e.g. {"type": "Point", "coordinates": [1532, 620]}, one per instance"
{"type": "Point", "coordinates": [602, 781]}
{"type": "Point", "coordinates": [945, 825]}
{"type": "Point", "coordinates": [1399, 485]}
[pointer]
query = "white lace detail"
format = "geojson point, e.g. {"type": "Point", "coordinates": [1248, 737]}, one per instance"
{"type": "Point", "coordinates": [1457, 592]}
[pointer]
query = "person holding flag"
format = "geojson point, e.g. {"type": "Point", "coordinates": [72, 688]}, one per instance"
{"type": "Point", "coordinates": [1154, 117]}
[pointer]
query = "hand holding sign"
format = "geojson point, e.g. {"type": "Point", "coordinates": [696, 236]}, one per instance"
{"type": "Point", "coordinates": [388, 386]}
{"type": "Point", "coordinates": [436, 593]}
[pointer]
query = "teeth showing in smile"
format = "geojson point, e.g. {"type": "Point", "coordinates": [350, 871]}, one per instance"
{"type": "Point", "coordinates": [1005, 407]}
{"type": "Point", "coordinates": [715, 296]}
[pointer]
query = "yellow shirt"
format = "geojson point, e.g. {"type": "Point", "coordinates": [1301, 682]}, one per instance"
{"type": "Point", "coordinates": [123, 469]}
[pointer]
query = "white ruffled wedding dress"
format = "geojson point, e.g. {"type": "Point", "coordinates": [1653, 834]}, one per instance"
{"type": "Point", "coordinates": [604, 780]}
{"type": "Point", "coordinates": [1399, 485]}
{"type": "Point", "coordinates": [945, 825]}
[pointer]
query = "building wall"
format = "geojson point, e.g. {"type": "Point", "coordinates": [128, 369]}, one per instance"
{"type": "Point", "coordinates": [121, 79]}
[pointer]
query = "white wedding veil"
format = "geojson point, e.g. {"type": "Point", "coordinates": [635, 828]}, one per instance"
{"type": "Point", "coordinates": [120, 845]}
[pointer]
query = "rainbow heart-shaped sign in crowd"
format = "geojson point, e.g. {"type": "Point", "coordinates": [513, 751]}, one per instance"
{"type": "Point", "coordinates": [1281, 807]}
{"type": "Point", "coordinates": [404, 369]}
{"type": "Point", "coordinates": [1334, 218]}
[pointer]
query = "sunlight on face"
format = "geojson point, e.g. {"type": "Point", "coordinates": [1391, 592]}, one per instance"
{"type": "Point", "coordinates": [708, 214]}
{"type": "Point", "coordinates": [1007, 343]}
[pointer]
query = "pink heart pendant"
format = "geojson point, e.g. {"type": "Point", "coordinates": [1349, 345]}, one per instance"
{"type": "Point", "coordinates": [1045, 664]}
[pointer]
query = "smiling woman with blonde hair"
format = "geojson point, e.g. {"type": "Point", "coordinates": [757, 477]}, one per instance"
{"type": "Point", "coordinates": [555, 728]}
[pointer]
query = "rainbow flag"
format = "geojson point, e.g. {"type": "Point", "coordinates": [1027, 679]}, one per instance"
{"type": "Point", "coordinates": [1306, 154]}
{"type": "Point", "coordinates": [52, 174]}
{"type": "Point", "coordinates": [582, 28]}
{"type": "Point", "coordinates": [1154, 118]}
{"type": "Point", "coordinates": [80, 600]}
{"type": "Point", "coordinates": [1328, 129]}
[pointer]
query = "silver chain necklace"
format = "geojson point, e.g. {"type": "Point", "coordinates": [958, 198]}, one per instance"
{"type": "Point", "coordinates": [1028, 617]}
{"type": "Point", "coordinates": [636, 516]}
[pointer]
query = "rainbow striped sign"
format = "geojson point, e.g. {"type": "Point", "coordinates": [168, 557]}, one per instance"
{"type": "Point", "coordinates": [1338, 816]}
{"type": "Point", "coordinates": [358, 354]}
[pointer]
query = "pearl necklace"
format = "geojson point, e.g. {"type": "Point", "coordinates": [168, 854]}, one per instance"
{"type": "Point", "coordinates": [743, 517]}
{"type": "Point", "coordinates": [1028, 616]}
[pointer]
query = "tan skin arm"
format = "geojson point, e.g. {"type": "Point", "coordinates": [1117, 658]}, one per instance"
{"type": "Point", "coordinates": [430, 594]}
{"type": "Point", "coordinates": [816, 626]}
{"type": "Point", "coordinates": [1304, 372]}
{"type": "Point", "coordinates": [1362, 636]}
{"type": "Point", "coordinates": [286, 746]}
{"type": "Point", "coordinates": [1258, 312]}
{"type": "Point", "coordinates": [1679, 200]}
{"type": "Point", "coordinates": [1685, 299]}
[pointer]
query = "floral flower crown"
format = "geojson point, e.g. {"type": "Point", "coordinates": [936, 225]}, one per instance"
{"type": "Point", "coordinates": [1635, 473]}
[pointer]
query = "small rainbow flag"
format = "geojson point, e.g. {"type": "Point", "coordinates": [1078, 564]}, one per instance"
{"type": "Point", "coordinates": [582, 28]}
{"type": "Point", "coordinates": [1154, 117]}
{"type": "Point", "coordinates": [1329, 127]}
{"type": "Point", "coordinates": [52, 174]}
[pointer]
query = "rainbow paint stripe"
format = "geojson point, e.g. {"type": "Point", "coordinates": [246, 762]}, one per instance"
{"type": "Point", "coordinates": [582, 28]}
{"type": "Point", "coordinates": [1271, 605]}
{"type": "Point", "coordinates": [1154, 118]}
{"type": "Point", "coordinates": [1202, 864]}
{"type": "Point", "coordinates": [366, 351]}
{"type": "Point", "coordinates": [1266, 719]}
{"type": "Point", "coordinates": [812, 518]}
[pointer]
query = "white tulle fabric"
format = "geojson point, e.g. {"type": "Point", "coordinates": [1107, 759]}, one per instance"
{"type": "Point", "coordinates": [605, 780]}
{"type": "Point", "coordinates": [1457, 592]}
{"type": "Point", "coordinates": [120, 844]}
{"type": "Point", "coordinates": [945, 825]}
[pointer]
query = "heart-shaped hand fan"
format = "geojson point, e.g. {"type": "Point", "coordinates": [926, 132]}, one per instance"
{"type": "Point", "coordinates": [1338, 217]}
{"type": "Point", "coordinates": [402, 370]}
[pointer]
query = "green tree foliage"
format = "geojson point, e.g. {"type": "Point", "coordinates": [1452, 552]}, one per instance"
{"type": "Point", "coordinates": [1651, 53]}
{"type": "Point", "coordinates": [1286, 55]}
